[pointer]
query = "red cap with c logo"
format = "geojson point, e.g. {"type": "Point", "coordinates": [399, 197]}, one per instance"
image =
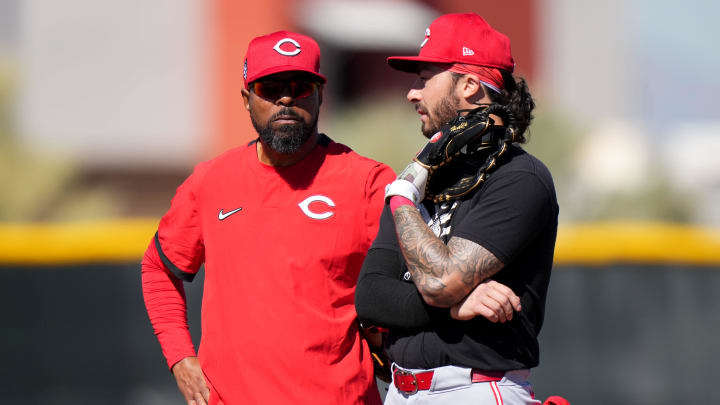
{"type": "Point", "coordinates": [459, 38]}
{"type": "Point", "coordinates": [281, 51]}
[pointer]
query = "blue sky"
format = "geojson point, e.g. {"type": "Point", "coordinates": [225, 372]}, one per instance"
{"type": "Point", "coordinates": [677, 59]}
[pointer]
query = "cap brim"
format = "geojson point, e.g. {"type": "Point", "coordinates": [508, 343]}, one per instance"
{"type": "Point", "coordinates": [286, 68]}
{"type": "Point", "coordinates": [411, 64]}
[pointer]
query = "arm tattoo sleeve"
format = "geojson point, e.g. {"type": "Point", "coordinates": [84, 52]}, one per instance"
{"type": "Point", "coordinates": [443, 274]}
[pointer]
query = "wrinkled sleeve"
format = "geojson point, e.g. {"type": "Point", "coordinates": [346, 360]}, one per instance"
{"type": "Point", "coordinates": [382, 297]}
{"type": "Point", "coordinates": [174, 255]}
{"type": "Point", "coordinates": [379, 177]}
{"type": "Point", "coordinates": [508, 215]}
{"type": "Point", "coordinates": [179, 239]}
{"type": "Point", "coordinates": [164, 297]}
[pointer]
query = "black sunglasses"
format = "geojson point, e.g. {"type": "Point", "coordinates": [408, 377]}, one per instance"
{"type": "Point", "coordinates": [273, 89]}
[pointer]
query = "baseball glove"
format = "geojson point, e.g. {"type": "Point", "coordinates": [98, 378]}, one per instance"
{"type": "Point", "coordinates": [463, 138]}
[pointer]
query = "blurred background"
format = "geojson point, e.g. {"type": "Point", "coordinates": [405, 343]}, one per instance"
{"type": "Point", "coordinates": [106, 106]}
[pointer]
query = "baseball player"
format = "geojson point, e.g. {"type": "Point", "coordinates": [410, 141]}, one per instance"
{"type": "Point", "coordinates": [282, 226]}
{"type": "Point", "coordinates": [460, 267]}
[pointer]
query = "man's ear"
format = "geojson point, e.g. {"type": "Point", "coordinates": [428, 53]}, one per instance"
{"type": "Point", "coordinates": [320, 93]}
{"type": "Point", "coordinates": [246, 98]}
{"type": "Point", "coordinates": [471, 89]}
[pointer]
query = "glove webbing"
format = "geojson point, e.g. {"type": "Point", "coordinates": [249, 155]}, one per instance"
{"type": "Point", "coordinates": [462, 187]}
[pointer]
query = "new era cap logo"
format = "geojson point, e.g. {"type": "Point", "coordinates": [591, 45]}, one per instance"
{"type": "Point", "coordinates": [279, 50]}
{"type": "Point", "coordinates": [468, 51]}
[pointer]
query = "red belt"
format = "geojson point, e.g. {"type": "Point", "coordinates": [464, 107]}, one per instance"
{"type": "Point", "coordinates": [407, 381]}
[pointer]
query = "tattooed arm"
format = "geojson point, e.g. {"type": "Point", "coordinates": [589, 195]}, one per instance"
{"type": "Point", "coordinates": [443, 274]}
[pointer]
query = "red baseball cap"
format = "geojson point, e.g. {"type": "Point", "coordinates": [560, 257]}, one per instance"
{"type": "Point", "coordinates": [459, 38]}
{"type": "Point", "coordinates": [281, 51]}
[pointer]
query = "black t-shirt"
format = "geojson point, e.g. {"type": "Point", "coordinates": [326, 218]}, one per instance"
{"type": "Point", "coordinates": [514, 216]}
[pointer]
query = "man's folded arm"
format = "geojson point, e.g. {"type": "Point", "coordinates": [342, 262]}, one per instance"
{"type": "Point", "coordinates": [443, 274]}
{"type": "Point", "coordinates": [383, 299]}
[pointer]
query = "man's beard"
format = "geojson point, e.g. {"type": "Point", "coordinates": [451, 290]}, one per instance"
{"type": "Point", "coordinates": [286, 139]}
{"type": "Point", "coordinates": [446, 110]}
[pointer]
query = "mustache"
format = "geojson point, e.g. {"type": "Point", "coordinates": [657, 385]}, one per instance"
{"type": "Point", "coordinates": [286, 112]}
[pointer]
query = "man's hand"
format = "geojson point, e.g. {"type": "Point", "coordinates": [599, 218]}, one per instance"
{"type": "Point", "coordinates": [381, 364]}
{"type": "Point", "coordinates": [373, 336]}
{"type": "Point", "coordinates": [491, 300]}
{"type": "Point", "coordinates": [191, 381]}
{"type": "Point", "coordinates": [409, 184]}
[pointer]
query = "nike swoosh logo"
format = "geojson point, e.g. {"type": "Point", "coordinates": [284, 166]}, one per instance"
{"type": "Point", "coordinates": [222, 215]}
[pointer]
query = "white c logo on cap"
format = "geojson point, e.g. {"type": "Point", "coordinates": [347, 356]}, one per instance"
{"type": "Point", "coordinates": [305, 207]}
{"type": "Point", "coordinates": [286, 53]}
{"type": "Point", "coordinates": [427, 36]}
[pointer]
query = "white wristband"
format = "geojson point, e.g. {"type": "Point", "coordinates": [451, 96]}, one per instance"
{"type": "Point", "coordinates": [403, 188]}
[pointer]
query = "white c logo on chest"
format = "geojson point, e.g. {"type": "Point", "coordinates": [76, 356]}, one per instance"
{"type": "Point", "coordinates": [305, 207]}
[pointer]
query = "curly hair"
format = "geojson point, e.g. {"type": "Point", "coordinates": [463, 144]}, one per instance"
{"type": "Point", "coordinates": [516, 96]}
